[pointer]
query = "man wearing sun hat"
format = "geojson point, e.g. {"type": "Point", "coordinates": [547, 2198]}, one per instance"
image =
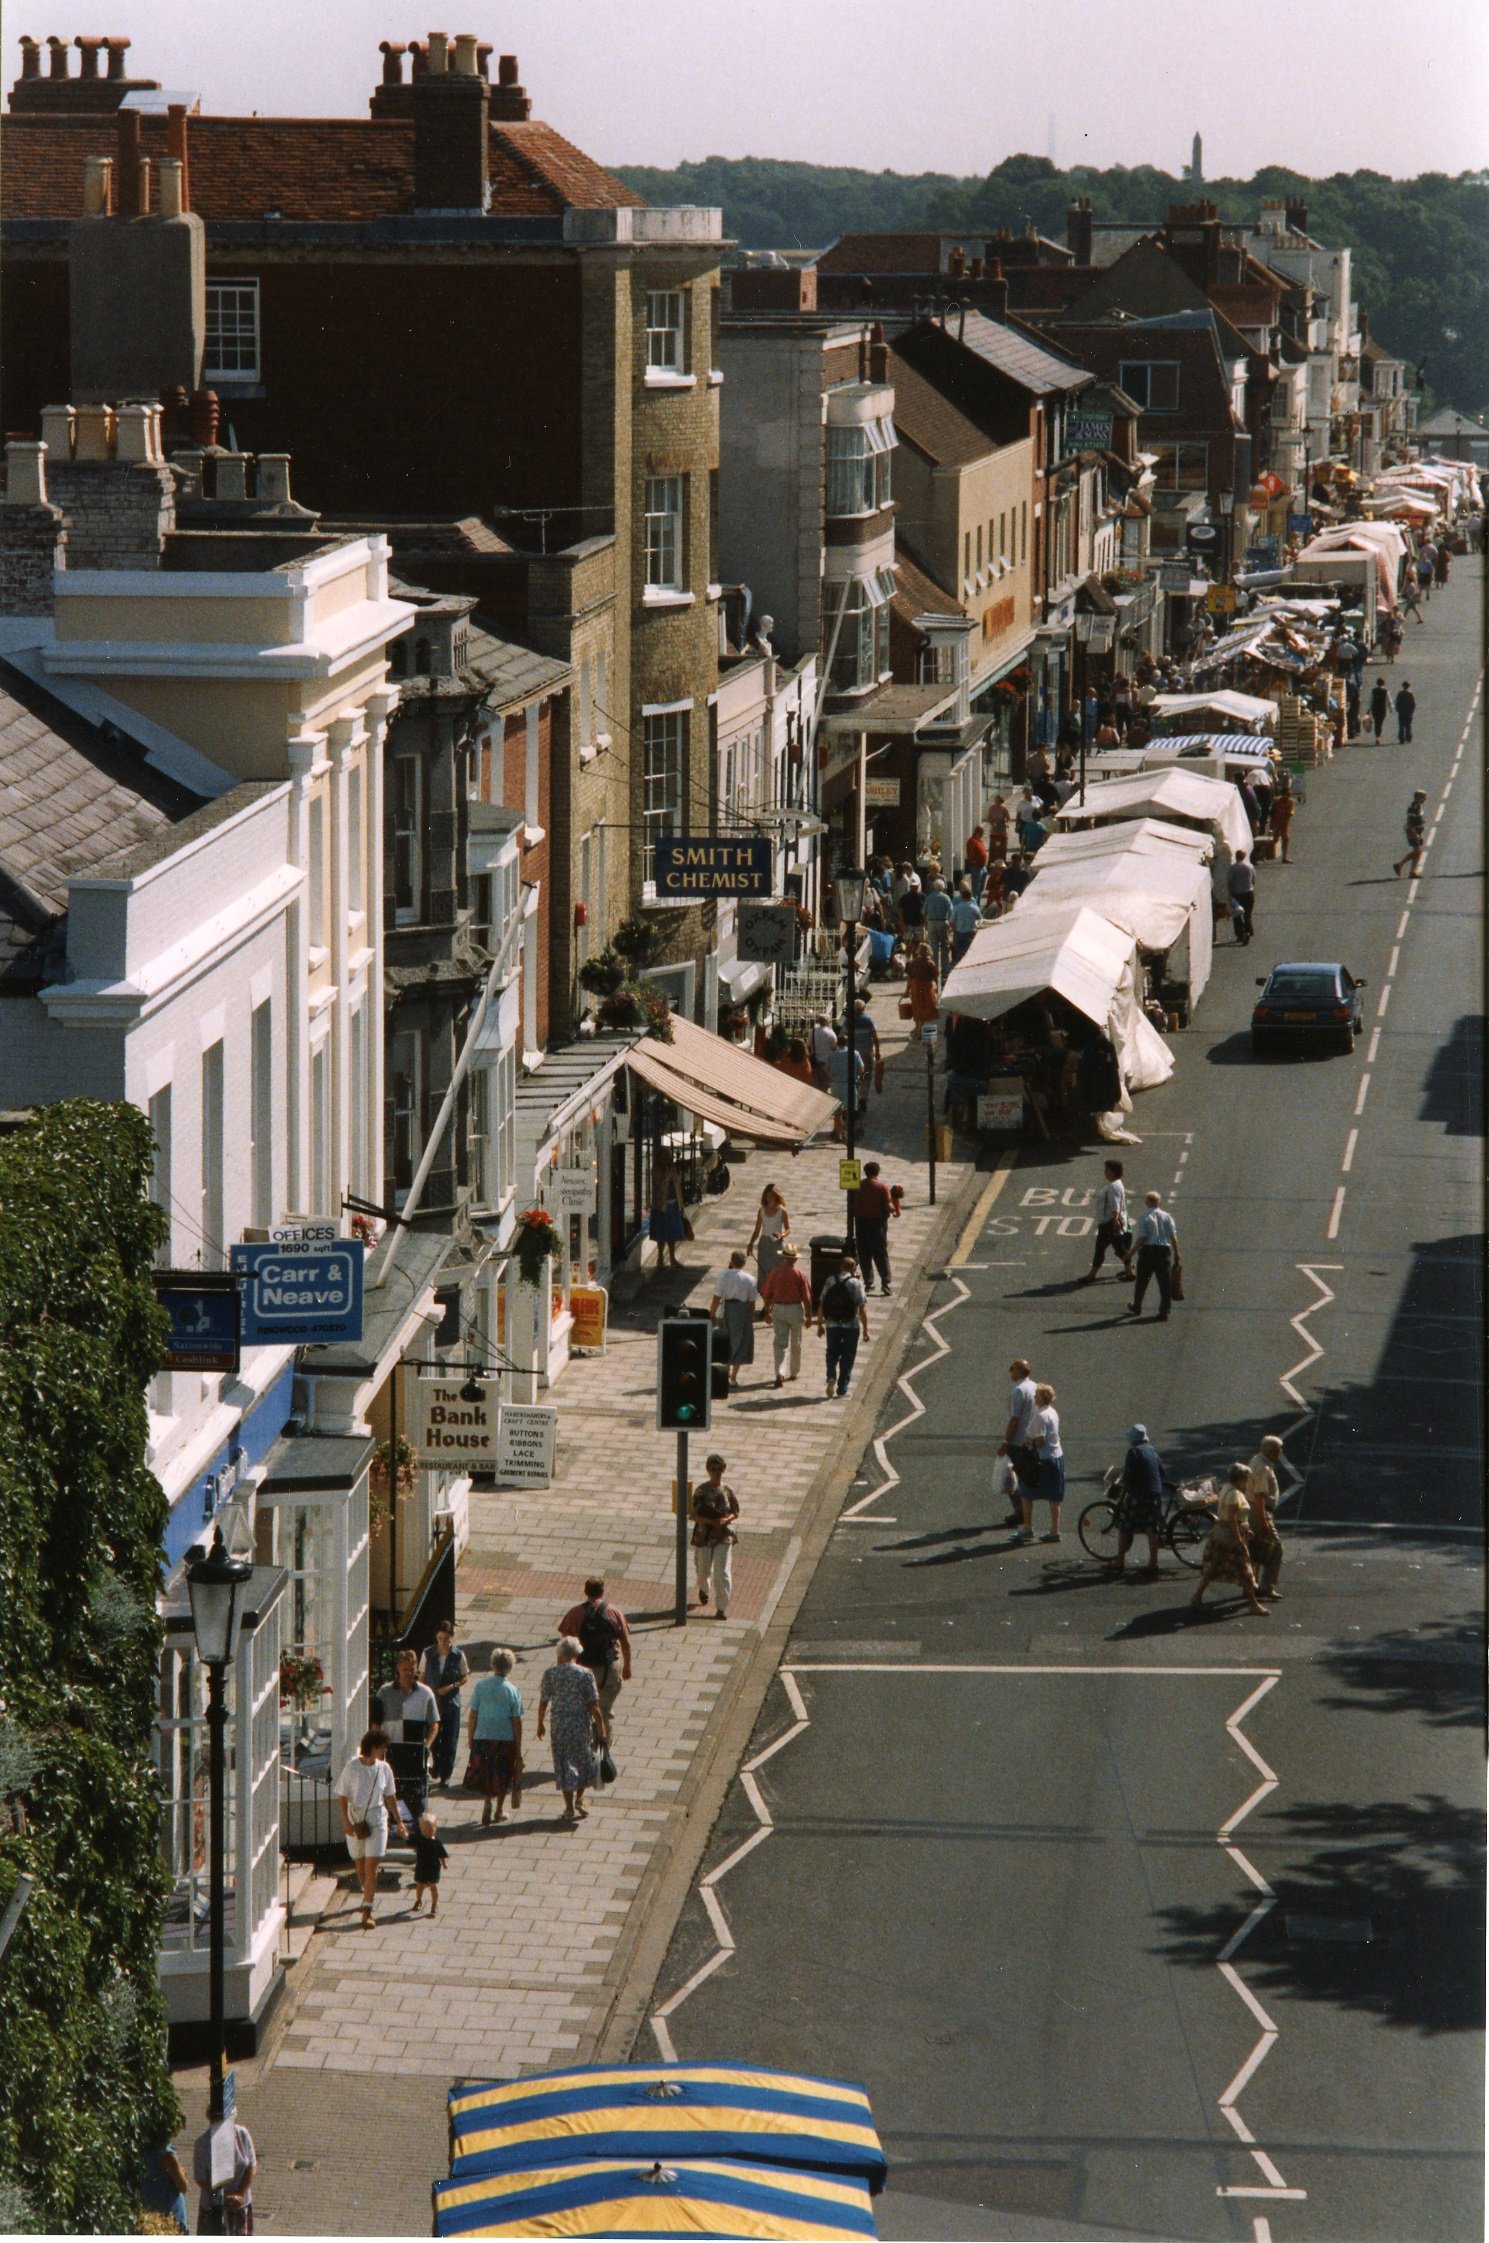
{"type": "Point", "coordinates": [1139, 1500]}
{"type": "Point", "coordinates": [787, 1295]}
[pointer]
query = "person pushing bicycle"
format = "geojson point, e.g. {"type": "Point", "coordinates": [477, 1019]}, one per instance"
{"type": "Point", "coordinates": [1139, 1501]}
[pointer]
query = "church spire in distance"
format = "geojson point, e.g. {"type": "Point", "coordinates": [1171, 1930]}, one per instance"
{"type": "Point", "coordinates": [1196, 165]}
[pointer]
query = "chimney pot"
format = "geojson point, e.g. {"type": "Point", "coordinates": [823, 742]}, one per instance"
{"type": "Point", "coordinates": [30, 57]}
{"type": "Point", "coordinates": [176, 147]}
{"type": "Point", "coordinates": [58, 55]}
{"type": "Point", "coordinates": [206, 411]}
{"type": "Point", "coordinates": [117, 49]}
{"type": "Point", "coordinates": [438, 54]}
{"type": "Point", "coordinates": [98, 186]}
{"type": "Point", "coordinates": [392, 52]}
{"type": "Point", "coordinates": [25, 472]}
{"type": "Point", "coordinates": [88, 50]}
{"type": "Point", "coordinates": [232, 475]}
{"type": "Point", "coordinates": [170, 169]}
{"type": "Point", "coordinates": [506, 71]}
{"type": "Point", "coordinates": [129, 163]}
{"type": "Point", "coordinates": [418, 60]}
{"type": "Point", "coordinates": [142, 189]}
{"type": "Point", "coordinates": [95, 432]}
{"type": "Point", "coordinates": [57, 425]}
{"type": "Point", "coordinates": [956, 264]}
{"type": "Point", "coordinates": [274, 478]}
{"type": "Point", "coordinates": [465, 54]}
{"type": "Point", "coordinates": [134, 430]}
{"type": "Point", "coordinates": [978, 268]}
{"type": "Point", "coordinates": [483, 57]}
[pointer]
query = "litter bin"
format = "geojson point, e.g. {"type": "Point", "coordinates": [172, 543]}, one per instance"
{"type": "Point", "coordinates": [827, 1251]}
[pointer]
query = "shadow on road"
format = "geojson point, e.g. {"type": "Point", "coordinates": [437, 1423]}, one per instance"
{"type": "Point", "coordinates": [1453, 1091]}
{"type": "Point", "coordinates": [1434, 1672]}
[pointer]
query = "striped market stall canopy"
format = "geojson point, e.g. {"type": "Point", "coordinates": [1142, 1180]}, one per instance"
{"type": "Point", "coordinates": [622, 2197]}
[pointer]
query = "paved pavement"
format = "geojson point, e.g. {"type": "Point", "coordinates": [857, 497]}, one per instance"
{"type": "Point", "coordinates": [1136, 1923]}
{"type": "Point", "coordinates": [546, 1934]}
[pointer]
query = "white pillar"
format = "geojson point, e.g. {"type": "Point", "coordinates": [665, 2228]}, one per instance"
{"type": "Point", "coordinates": [303, 749]}
{"type": "Point", "coordinates": [376, 713]}
{"type": "Point", "coordinates": [345, 736]}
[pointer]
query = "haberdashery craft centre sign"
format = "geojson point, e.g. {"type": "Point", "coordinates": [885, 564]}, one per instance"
{"type": "Point", "coordinates": [298, 1295]}
{"type": "Point", "coordinates": [692, 866]}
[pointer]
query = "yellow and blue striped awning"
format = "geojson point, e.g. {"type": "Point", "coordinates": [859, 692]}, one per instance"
{"type": "Point", "coordinates": [621, 2197]}
{"type": "Point", "coordinates": [667, 2111]}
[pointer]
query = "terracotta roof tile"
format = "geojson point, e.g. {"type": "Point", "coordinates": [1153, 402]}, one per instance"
{"type": "Point", "coordinates": [918, 593]}
{"type": "Point", "coordinates": [306, 168]}
{"type": "Point", "coordinates": [882, 253]}
{"type": "Point", "coordinates": [929, 420]}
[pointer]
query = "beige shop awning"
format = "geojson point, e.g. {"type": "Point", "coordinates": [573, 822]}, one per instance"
{"type": "Point", "coordinates": [712, 1078]}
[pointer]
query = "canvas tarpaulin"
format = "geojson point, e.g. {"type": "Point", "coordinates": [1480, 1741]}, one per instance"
{"type": "Point", "coordinates": [1164, 901]}
{"type": "Point", "coordinates": [1080, 954]}
{"type": "Point", "coordinates": [1184, 797]}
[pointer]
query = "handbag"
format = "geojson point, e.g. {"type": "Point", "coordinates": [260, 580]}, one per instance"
{"type": "Point", "coordinates": [608, 1769]}
{"type": "Point", "coordinates": [906, 1009]}
{"type": "Point", "coordinates": [688, 1231]}
{"type": "Point", "coordinates": [1176, 1281]}
{"type": "Point", "coordinates": [362, 1827]}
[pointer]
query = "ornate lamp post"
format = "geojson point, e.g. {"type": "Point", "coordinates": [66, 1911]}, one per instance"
{"type": "Point", "coordinates": [850, 887]}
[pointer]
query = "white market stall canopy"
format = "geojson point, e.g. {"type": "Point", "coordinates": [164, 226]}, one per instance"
{"type": "Point", "coordinates": [1134, 837]}
{"type": "Point", "coordinates": [1245, 708]}
{"type": "Point", "coordinates": [1085, 958]}
{"type": "Point", "coordinates": [1163, 901]}
{"type": "Point", "coordinates": [1185, 797]}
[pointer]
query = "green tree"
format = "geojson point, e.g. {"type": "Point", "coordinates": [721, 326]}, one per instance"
{"type": "Point", "coordinates": [84, 2087]}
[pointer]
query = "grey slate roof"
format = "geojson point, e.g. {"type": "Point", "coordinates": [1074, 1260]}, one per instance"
{"type": "Point", "coordinates": [511, 673]}
{"type": "Point", "coordinates": [1451, 423]}
{"type": "Point", "coordinates": [72, 801]}
{"type": "Point", "coordinates": [1022, 361]}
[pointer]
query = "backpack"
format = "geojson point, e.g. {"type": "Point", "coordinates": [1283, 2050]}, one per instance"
{"type": "Point", "coordinates": [838, 1304]}
{"type": "Point", "coordinates": [598, 1635]}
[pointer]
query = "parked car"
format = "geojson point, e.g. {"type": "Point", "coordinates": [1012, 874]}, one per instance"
{"type": "Point", "coordinates": [1306, 1003]}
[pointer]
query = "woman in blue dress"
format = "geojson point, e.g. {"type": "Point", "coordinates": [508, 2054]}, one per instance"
{"type": "Point", "coordinates": [568, 1691]}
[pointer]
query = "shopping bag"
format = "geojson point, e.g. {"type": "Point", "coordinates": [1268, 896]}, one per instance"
{"type": "Point", "coordinates": [1176, 1282]}
{"type": "Point", "coordinates": [906, 1009]}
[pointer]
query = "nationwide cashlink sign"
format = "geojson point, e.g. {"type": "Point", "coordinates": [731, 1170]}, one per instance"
{"type": "Point", "coordinates": [690, 867]}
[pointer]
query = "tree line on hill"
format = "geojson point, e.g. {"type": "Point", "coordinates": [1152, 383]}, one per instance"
{"type": "Point", "coordinates": [1419, 261]}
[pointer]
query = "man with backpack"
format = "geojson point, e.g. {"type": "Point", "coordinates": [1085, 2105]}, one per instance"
{"type": "Point", "coordinates": [605, 1643]}
{"type": "Point", "coordinates": [843, 1317]}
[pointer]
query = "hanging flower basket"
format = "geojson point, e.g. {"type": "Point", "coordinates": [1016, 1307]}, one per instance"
{"type": "Point", "coordinates": [382, 1473]}
{"type": "Point", "coordinates": [302, 1681]}
{"type": "Point", "coordinates": [733, 1022]}
{"type": "Point", "coordinates": [623, 1008]}
{"type": "Point", "coordinates": [365, 1228]}
{"type": "Point", "coordinates": [535, 1243]}
{"type": "Point", "coordinates": [604, 975]}
{"type": "Point", "coordinates": [635, 941]}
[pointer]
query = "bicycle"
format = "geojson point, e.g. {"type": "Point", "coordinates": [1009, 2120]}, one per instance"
{"type": "Point", "coordinates": [1188, 1515]}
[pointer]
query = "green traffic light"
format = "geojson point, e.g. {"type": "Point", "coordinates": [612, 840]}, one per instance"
{"type": "Point", "coordinates": [687, 1410]}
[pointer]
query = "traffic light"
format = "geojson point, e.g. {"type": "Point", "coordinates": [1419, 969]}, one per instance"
{"type": "Point", "coordinates": [684, 1396]}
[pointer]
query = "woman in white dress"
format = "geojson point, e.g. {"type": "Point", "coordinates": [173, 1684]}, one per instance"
{"type": "Point", "coordinates": [367, 1792]}
{"type": "Point", "coordinates": [772, 1229]}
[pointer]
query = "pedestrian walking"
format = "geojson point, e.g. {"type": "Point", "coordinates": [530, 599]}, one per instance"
{"type": "Point", "coordinates": [494, 1734]}
{"type": "Point", "coordinates": [1227, 1554]}
{"type": "Point", "coordinates": [1263, 1495]}
{"type": "Point", "coordinates": [937, 919]}
{"type": "Point", "coordinates": [1015, 1442]}
{"type": "Point", "coordinates": [843, 1320]}
{"type": "Point", "coordinates": [1111, 1223]}
{"type": "Point", "coordinates": [976, 860]}
{"type": "Point", "coordinates": [905, 892]}
{"type": "Point", "coordinates": [1416, 834]}
{"type": "Point", "coordinates": [1043, 1437]}
{"type": "Point", "coordinates": [737, 1294]}
{"type": "Point", "coordinates": [1139, 1500]}
{"type": "Point", "coordinates": [824, 1044]}
{"type": "Point", "coordinates": [866, 1044]}
{"type": "Point", "coordinates": [922, 985]}
{"type": "Point", "coordinates": [1352, 706]}
{"type": "Point", "coordinates": [795, 1062]}
{"type": "Point", "coordinates": [430, 1855]}
{"type": "Point", "coordinates": [966, 918]}
{"type": "Point", "coordinates": [1380, 708]}
{"type": "Point", "coordinates": [445, 1671]}
{"type": "Point", "coordinates": [408, 1714]}
{"type": "Point", "coordinates": [1030, 822]}
{"type": "Point", "coordinates": [1406, 709]}
{"type": "Point", "coordinates": [1240, 882]}
{"type": "Point", "coordinates": [845, 1075]}
{"type": "Point", "coordinates": [1157, 1254]}
{"type": "Point", "coordinates": [874, 1209]}
{"type": "Point", "coordinates": [576, 1729]}
{"type": "Point", "coordinates": [772, 1229]}
{"type": "Point", "coordinates": [1284, 803]}
{"type": "Point", "coordinates": [604, 1636]}
{"type": "Point", "coordinates": [715, 1508]}
{"type": "Point", "coordinates": [666, 1223]}
{"type": "Point", "coordinates": [368, 1797]}
{"type": "Point", "coordinates": [1411, 603]}
{"type": "Point", "coordinates": [787, 1294]}
{"type": "Point", "coordinates": [1426, 570]}
{"type": "Point", "coordinates": [997, 828]}
{"type": "Point", "coordinates": [1444, 563]}
{"type": "Point", "coordinates": [1098, 1077]}
{"type": "Point", "coordinates": [1016, 878]}
{"type": "Point", "coordinates": [225, 2210]}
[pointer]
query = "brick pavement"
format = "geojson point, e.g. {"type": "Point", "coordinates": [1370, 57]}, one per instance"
{"type": "Point", "coordinates": [521, 1969]}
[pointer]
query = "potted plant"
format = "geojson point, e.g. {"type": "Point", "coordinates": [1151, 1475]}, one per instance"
{"type": "Point", "coordinates": [390, 1468]}
{"type": "Point", "coordinates": [302, 1680]}
{"type": "Point", "coordinates": [623, 1008]}
{"type": "Point", "coordinates": [636, 943]}
{"type": "Point", "coordinates": [604, 975]}
{"type": "Point", "coordinates": [535, 1243]}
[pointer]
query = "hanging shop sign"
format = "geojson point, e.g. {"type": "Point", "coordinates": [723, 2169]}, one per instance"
{"type": "Point", "coordinates": [453, 1429]}
{"type": "Point", "coordinates": [881, 794]}
{"type": "Point", "coordinates": [572, 1191]}
{"type": "Point", "coordinates": [204, 1311]}
{"type": "Point", "coordinates": [691, 866]}
{"type": "Point", "coordinates": [765, 934]}
{"type": "Point", "coordinates": [1088, 432]}
{"type": "Point", "coordinates": [301, 1296]}
{"type": "Point", "coordinates": [526, 1444]}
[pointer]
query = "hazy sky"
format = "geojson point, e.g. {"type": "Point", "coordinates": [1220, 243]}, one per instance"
{"type": "Point", "coordinates": [905, 85]}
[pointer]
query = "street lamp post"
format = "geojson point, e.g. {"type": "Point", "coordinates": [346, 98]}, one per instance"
{"type": "Point", "coordinates": [1228, 509]}
{"type": "Point", "coordinates": [1082, 641]}
{"type": "Point", "coordinates": [849, 887]}
{"type": "Point", "coordinates": [215, 1579]}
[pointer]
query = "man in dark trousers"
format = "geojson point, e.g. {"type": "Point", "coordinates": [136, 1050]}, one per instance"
{"type": "Point", "coordinates": [1416, 834]}
{"type": "Point", "coordinates": [873, 1209]}
{"type": "Point", "coordinates": [1406, 709]}
{"type": "Point", "coordinates": [1380, 708]}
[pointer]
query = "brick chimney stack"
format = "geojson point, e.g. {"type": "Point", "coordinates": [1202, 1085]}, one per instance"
{"type": "Point", "coordinates": [94, 91]}
{"type": "Point", "coordinates": [451, 156]}
{"type": "Point", "coordinates": [509, 103]}
{"type": "Point", "coordinates": [997, 292]}
{"type": "Point", "coordinates": [1297, 215]}
{"type": "Point", "coordinates": [33, 533]}
{"type": "Point", "coordinates": [1078, 229]}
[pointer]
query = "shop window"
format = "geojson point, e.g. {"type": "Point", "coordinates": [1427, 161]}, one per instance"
{"type": "Point", "coordinates": [406, 1092]}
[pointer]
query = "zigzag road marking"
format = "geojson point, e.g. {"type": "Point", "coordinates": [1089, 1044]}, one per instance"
{"type": "Point", "coordinates": [905, 1384]}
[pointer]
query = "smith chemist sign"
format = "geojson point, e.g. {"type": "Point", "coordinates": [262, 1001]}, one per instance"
{"type": "Point", "coordinates": [690, 866]}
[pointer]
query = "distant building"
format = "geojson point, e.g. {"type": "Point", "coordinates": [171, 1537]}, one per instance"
{"type": "Point", "coordinates": [1457, 436]}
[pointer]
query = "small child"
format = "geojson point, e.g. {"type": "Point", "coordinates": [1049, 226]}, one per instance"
{"type": "Point", "coordinates": [430, 1854]}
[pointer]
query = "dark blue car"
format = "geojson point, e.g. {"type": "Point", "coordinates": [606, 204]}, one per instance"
{"type": "Point", "coordinates": [1307, 1003]}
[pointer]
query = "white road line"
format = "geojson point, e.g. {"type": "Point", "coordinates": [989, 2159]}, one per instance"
{"type": "Point", "coordinates": [1348, 1161]}
{"type": "Point", "coordinates": [1412, 886]}
{"type": "Point", "coordinates": [1269, 1675]}
{"type": "Point", "coordinates": [1360, 1095]}
{"type": "Point", "coordinates": [980, 1213]}
{"type": "Point", "coordinates": [1333, 1230]}
{"type": "Point", "coordinates": [1401, 930]}
{"type": "Point", "coordinates": [1384, 1000]}
{"type": "Point", "coordinates": [1394, 966]}
{"type": "Point", "coordinates": [1183, 1156]}
{"type": "Point", "coordinates": [1437, 813]}
{"type": "Point", "coordinates": [1448, 788]}
{"type": "Point", "coordinates": [1374, 1047]}
{"type": "Point", "coordinates": [1261, 2230]}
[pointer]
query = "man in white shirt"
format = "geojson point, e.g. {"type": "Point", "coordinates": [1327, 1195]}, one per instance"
{"type": "Point", "coordinates": [1157, 1249]}
{"type": "Point", "coordinates": [1111, 1223]}
{"type": "Point", "coordinates": [824, 1044]}
{"type": "Point", "coordinates": [1015, 1442]}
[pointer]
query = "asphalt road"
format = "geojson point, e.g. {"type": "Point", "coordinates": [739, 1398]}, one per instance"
{"type": "Point", "coordinates": [1136, 1923]}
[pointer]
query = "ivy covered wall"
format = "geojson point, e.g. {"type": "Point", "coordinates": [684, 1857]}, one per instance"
{"type": "Point", "coordinates": [84, 2089]}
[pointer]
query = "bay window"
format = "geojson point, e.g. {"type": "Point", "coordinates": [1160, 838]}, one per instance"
{"type": "Point", "coordinates": [859, 478]}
